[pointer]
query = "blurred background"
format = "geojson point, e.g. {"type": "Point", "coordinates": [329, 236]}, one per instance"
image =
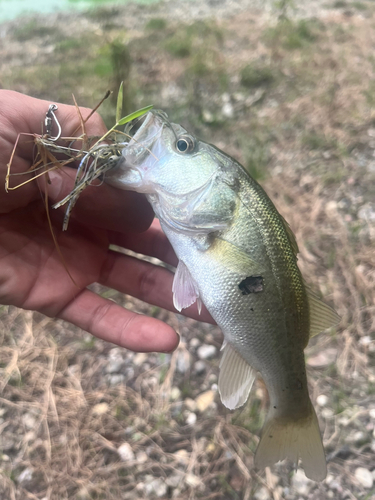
{"type": "Point", "coordinates": [288, 89]}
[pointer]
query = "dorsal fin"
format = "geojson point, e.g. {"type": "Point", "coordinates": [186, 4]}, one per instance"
{"type": "Point", "coordinates": [322, 316]}
{"type": "Point", "coordinates": [291, 236]}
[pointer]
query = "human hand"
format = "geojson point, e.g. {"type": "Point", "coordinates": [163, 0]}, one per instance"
{"type": "Point", "coordinates": [33, 274]}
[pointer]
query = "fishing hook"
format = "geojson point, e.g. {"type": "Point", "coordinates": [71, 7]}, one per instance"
{"type": "Point", "coordinates": [48, 122]}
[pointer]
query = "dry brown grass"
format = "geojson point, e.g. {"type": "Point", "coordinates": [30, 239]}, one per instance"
{"type": "Point", "coordinates": [60, 418]}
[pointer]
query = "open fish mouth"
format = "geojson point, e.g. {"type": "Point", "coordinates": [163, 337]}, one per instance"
{"type": "Point", "coordinates": [146, 126]}
{"type": "Point", "coordinates": [143, 133]}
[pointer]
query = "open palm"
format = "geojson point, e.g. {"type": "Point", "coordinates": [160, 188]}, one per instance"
{"type": "Point", "coordinates": [33, 275]}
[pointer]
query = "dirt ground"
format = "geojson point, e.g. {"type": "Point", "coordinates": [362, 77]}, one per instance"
{"type": "Point", "coordinates": [290, 93]}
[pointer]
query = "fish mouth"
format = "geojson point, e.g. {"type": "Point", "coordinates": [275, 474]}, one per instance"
{"type": "Point", "coordinates": [146, 127]}
{"type": "Point", "coordinates": [145, 134]}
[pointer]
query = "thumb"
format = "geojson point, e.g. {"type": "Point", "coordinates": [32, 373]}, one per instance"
{"type": "Point", "coordinates": [101, 205]}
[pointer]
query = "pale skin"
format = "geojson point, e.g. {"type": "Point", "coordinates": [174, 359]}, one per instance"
{"type": "Point", "coordinates": [32, 274]}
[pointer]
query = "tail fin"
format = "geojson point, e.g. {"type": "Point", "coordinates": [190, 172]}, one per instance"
{"type": "Point", "coordinates": [286, 438]}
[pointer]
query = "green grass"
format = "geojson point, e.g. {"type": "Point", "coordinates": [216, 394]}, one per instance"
{"type": "Point", "coordinates": [340, 4]}
{"type": "Point", "coordinates": [292, 35]}
{"type": "Point", "coordinates": [256, 153]}
{"type": "Point", "coordinates": [359, 6]}
{"type": "Point", "coordinates": [187, 38]}
{"type": "Point", "coordinates": [102, 14]}
{"type": "Point", "coordinates": [257, 75]}
{"type": "Point", "coordinates": [314, 140]}
{"type": "Point", "coordinates": [70, 45]}
{"type": "Point", "coordinates": [33, 29]}
{"type": "Point", "coordinates": [156, 24]}
{"type": "Point", "coordinates": [179, 46]}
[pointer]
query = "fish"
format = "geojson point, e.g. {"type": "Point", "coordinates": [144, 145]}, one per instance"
{"type": "Point", "coordinates": [238, 256]}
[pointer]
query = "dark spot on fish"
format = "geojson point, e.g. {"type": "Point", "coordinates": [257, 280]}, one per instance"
{"type": "Point", "coordinates": [251, 309]}
{"type": "Point", "coordinates": [251, 284]}
{"type": "Point", "coordinates": [271, 436]}
{"type": "Point", "coordinates": [275, 407]}
{"type": "Point", "coordinates": [299, 384]}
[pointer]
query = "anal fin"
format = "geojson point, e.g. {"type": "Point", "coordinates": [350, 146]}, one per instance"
{"type": "Point", "coordinates": [185, 290]}
{"type": "Point", "coordinates": [236, 378]}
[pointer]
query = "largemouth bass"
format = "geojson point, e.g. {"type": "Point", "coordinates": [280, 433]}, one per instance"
{"type": "Point", "coordinates": [239, 257]}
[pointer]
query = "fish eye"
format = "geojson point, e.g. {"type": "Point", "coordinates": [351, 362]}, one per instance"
{"type": "Point", "coordinates": [185, 144]}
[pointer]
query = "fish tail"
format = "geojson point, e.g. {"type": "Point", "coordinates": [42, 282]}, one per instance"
{"type": "Point", "coordinates": [287, 437]}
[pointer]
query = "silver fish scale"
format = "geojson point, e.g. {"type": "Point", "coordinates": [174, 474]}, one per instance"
{"type": "Point", "coordinates": [263, 327]}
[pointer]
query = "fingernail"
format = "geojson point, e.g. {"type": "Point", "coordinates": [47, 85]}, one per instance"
{"type": "Point", "coordinates": [179, 338]}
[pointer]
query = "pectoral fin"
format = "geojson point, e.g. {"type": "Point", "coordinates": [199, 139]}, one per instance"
{"type": "Point", "coordinates": [236, 378]}
{"type": "Point", "coordinates": [184, 288]}
{"type": "Point", "coordinates": [322, 316]}
{"type": "Point", "coordinates": [234, 258]}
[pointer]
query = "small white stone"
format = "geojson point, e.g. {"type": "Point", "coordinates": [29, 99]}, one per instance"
{"type": "Point", "coordinates": [29, 436]}
{"type": "Point", "coordinates": [262, 494]}
{"type": "Point", "coordinates": [194, 343]}
{"type": "Point", "coordinates": [204, 400]}
{"type": "Point", "coordinates": [140, 487]}
{"type": "Point", "coordinates": [141, 457]}
{"type": "Point", "coordinates": [372, 413]}
{"type": "Point", "coordinates": [157, 486]}
{"type": "Point", "coordinates": [191, 418]}
{"type": "Point", "coordinates": [366, 340]}
{"type": "Point", "coordinates": [364, 477]}
{"type": "Point", "coordinates": [25, 475]}
{"type": "Point", "coordinates": [29, 421]}
{"type": "Point", "coordinates": [322, 400]}
{"type": "Point", "coordinates": [327, 413]}
{"type": "Point", "coordinates": [100, 409]}
{"type": "Point", "coordinates": [199, 367]}
{"type": "Point", "coordinates": [114, 366]}
{"type": "Point", "coordinates": [192, 480]}
{"type": "Point", "coordinates": [225, 97]}
{"type": "Point", "coordinates": [182, 456]}
{"type": "Point", "coordinates": [174, 480]}
{"type": "Point", "coordinates": [139, 358]}
{"type": "Point", "coordinates": [359, 437]}
{"type": "Point", "coordinates": [227, 110]}
{"type": "Point", "coordinates": [126, 453]}
{"type": "Point", "coordinates": [83, 494]}
{"type": "Point", "coordinates": [323, 358]}
{"type": "Point", "coordinates": [183, 361]}
{"type": "Point", "coordinates": [206, 351]}
{"type": "Point", "coordinates": [301, 483]}
{"type": "Point", "coordinates": [190, 404]}
{"type": "Point", "coordinates": [175, 394]}
{"type": "Point", "coordinates": [116, 379]}
{"type": "Point", "coordinates": [207, 116]}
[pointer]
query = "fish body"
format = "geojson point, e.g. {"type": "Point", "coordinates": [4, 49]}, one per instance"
{"type": "Point", "coordinates": [238, 255]}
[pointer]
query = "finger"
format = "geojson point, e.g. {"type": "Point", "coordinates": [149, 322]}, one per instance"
{"type": "Point", "coordinates": [27, 114]}
{"type": "Point", "coordinates": [108, 321]}
{"type": "Point", "coordinates": [145, 281]}
{"type": "Point", "coordinates": [152, 242]}
{"type": "Point", "coordinates": [102, 206]}
{"type": "Point", "coordinates": [24, 115]}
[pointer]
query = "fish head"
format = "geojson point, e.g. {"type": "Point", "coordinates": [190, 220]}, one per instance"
{"type": "Point", "coordinates": [162, 157]}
